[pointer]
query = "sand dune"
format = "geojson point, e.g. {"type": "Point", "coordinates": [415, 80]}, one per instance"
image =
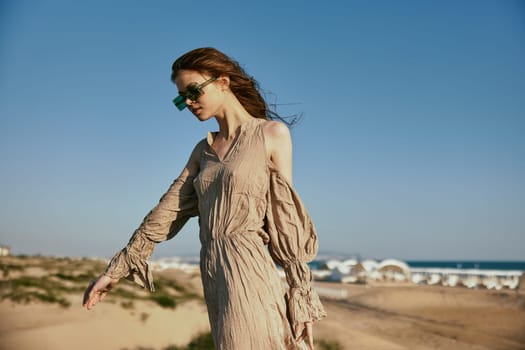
{"type": "Point", "coordinates": [108, 326]}
{"type": "Point", "coordinates": [374, 317]}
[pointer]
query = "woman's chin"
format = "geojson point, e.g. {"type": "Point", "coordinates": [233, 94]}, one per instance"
{"type": "Point", "coordinates": [202, 117]}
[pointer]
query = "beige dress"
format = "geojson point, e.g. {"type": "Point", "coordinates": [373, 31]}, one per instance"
{"type": "Point", "coordinates": [250, 218]}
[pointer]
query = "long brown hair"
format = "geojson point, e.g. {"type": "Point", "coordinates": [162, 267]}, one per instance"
{"type": "Point", "coordinates": [215, 63]}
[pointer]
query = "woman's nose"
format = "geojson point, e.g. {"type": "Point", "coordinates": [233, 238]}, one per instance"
{"type": "Point", "coordinates": [188, 101]}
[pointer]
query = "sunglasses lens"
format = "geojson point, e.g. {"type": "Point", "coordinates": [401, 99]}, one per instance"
{"type": "Point", "coordinates": [179, 102]}
{"type": "Point", "coordinates": [193, 92]}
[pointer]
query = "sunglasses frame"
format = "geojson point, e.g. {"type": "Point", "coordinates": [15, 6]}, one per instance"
{"type": "Point", "coordinates": [193, 92]}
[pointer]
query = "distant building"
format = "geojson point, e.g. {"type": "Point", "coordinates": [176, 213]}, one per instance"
{"type": "Point", "coordinates": [5, 250]}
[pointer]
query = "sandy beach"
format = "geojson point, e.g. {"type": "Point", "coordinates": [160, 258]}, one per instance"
{"type": "Point", "coordinates": [40, 309]}
{"type": "Point", "coordinates": [425, 317]}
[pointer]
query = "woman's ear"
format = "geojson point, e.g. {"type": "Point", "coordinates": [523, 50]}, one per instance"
{"type": "Point", "coordinates": [224, 82]}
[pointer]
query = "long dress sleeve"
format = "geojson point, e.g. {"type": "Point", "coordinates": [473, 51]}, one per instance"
{"type": "Point", "coordinates": [163, 222]}
{"type": "Point", "coordinates": [293, 243]}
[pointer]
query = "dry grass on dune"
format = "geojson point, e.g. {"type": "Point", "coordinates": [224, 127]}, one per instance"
{"type": "Point", "coordinates": [40, 303]}
{"type": "Point", "coordinates": [52, 280]}
{"type": "Point", "coordinates": [40, 308]}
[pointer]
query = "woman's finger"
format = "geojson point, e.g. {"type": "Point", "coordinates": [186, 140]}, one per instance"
{"type": "Point", "coordinates": [87, 293]}
{"type": "Point", "coordinates": [303, 335]}
{"type": "Point", "coordinates": [97, 290]}
{"type": "Point", "coordinates": [309, 330]}
{"type": "Point", "coordinates": [94, 294]}
{"type": "Point", "coordinates": [307, 334]}
{"type": "Point", "coordinates": [297, 331]}
{"type": "Point", "coordinates": [91, 302]}
{"type": "Point", "coordinates": [92, 298]}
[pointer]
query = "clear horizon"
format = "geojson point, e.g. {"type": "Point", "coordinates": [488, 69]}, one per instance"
{"type": "Point", "coordinates": [411, 144]}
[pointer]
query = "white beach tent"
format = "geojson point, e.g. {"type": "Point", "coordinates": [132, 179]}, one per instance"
{"type": "Point", "coordinates": [418, 278]}
{"type": "Point", "coordinates": [369, 265]}
{"type": "Point", "coordinates": [434, 278]}
{"type": "Point", "coordinates": [451, 280]}
{"type": "Point", "coordinates": [471, 281]}
{"type": "Point", "coordinates": [491, 282]}
{"type": "Point", "coordinates": [364, 270]}
{"type": "Point", "coordinates": [393, 269]}
{"type": "Point", "coordinates": [340, 269]}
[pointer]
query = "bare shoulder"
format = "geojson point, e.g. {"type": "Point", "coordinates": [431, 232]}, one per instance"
{"type": "Point", "coordinates": [279, 146]}
{"type": "Point", "coordinates": [277, 136]}
{"type": "Point", "coordinates": [274, 129]}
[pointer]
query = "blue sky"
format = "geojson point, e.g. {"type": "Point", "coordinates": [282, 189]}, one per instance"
{"type": "Point", "coordinates": [411, 144]}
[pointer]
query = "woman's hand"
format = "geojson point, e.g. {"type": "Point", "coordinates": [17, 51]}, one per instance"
{"type": "Point", "coordinates": [97, 290]}
{"type": "Point", "coordinates": [307, 332]}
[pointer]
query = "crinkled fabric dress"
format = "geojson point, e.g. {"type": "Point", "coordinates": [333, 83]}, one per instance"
{"type": "Point", "coordinates": [250, 218]}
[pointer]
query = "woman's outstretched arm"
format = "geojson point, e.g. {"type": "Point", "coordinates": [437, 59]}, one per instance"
{"type": "Point", "coordinates": [163, 222]}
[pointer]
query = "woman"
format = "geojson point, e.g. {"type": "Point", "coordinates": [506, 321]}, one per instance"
{"type": "Point", "coordinates": [238, 181]}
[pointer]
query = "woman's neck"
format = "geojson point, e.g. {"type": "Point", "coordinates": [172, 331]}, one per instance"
{"type": "Point", "coordinates": [231, 118]}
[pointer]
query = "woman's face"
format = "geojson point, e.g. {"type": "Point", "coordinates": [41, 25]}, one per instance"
{"type": "Point", "coordinates": [209, 102]}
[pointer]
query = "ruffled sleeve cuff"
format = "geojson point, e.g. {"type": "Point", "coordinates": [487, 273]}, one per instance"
{"type": "Point", "coordinates": [303, 301]}
{"type": "Point", "coordinates": [132, 263]}
{"type": "Point", "coordinates": [304, 305]}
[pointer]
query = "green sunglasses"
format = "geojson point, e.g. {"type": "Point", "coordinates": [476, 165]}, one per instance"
{"type": "Point", "coordinates": [193, 92]}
